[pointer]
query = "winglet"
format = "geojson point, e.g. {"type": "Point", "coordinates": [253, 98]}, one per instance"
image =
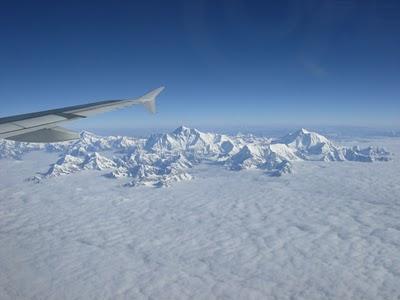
{"type": "Point", "coordinates": [149, 100]}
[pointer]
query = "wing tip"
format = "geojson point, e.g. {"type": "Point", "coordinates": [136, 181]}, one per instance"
{"type": "Point", "coordinates": [149, 100]}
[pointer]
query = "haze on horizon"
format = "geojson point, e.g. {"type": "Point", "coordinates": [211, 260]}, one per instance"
{"type": "Point", "coordinates": [223, 62]}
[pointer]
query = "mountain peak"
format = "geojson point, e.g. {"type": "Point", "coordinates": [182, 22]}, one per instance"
{"type": "Point", "coordinates": [303, 138]}
{"type": "Point", "coordinates": [87, 137]}
{"type": "Point", "coordinates": [303, 131]}
{"type": "Point", "coordinates": [184, 130]}
{"type": "Point", "coordinates": [85, 133]}
{"type": "Point", "coordinates": [98, 162]}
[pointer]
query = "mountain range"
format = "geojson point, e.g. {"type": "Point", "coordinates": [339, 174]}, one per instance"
{"type": "Point", "coordinates": [162, 159]}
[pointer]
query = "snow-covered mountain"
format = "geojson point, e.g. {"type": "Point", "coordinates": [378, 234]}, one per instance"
{"type": "Point", "coordinates": [13, 150]}
{"type": "Point", "coordinates": [67, 164]}
{"type": "Point", "coordinates": [193, 142]}
{"type": "Point", "coordinates": [313, 146]}
{"type": "Point", "coordinates": [89, 142]}
{"type": "Point", "coordinates": [165, 158]}
{"type": "Point", "coordinates": [152, 169]}
{"type": "Point", "coordinates": [95, 161]}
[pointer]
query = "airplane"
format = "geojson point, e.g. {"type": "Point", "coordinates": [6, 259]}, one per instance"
{"type": "Point", "coordinates": [43, 127]}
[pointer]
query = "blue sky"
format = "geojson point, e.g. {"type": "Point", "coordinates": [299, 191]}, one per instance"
{"type": "Point", "coordinates": [231, 62]}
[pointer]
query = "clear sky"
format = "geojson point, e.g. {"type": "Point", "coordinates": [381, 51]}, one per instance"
{"type": "Point", "coordinates": [231, 62]}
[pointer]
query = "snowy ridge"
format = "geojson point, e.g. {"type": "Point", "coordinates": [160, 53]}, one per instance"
{"type": "Point", "coordinates": [65, 165]}
{"type": "Point", "coordinates": [313, 146]}
{"type": "Point", "coordinates": [16, 150]}
{"type": "Point", "coordinates": [192, 141]}
{"type": "Point", "coordinates": [151, 169]}
{"type": "Point", "coordinates": [92, 143]}
{"type": "Point", "coordinates": [166, 158]}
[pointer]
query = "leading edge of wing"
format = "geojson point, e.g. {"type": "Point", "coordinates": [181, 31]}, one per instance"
{"type": "Point", "coordinates": [22, 124]}
{"type": "Point", "coordinates": [68, 112]}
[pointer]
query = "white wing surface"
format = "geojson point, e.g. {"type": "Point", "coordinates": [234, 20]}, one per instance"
{"type": "Point", "coordinates": [43, 127]}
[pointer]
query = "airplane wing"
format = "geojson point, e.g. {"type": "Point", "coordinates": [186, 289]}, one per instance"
{"type": "Point", "coordinates": [43, 127]}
